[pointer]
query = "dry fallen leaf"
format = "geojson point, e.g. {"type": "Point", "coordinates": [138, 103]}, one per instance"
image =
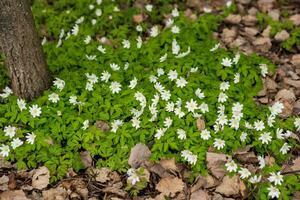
{"type": "Point", "coordinates": [169, 164]}
{"type": "Point", "coordinates": [4, 183]}
{"type": "Point", "coordinates": [40, 178]}
{"type": "Point", "coordinates": [215, 163]}
{"type": "Point", "coordinates": [86, 158]}
{"type": "Point", "coordinates": [204, 182]}
{"type": "Point", "coordinates": [170, 185]}
{"type": "Point", "coordinates": [200, 195]}
{"type": "Point", "coordinates": [102, 126]}
{"type": "Point", "coordinates": [231, 186]}
{"type": "Point", "coordinates": [115, 189]}
{"type": "Point", "coordinates": [13, 195]}
{"type": "Point", "coordinates": [200, 124]}
{"type": "Point", "coordinates": [55, 194]}
{"type": "Point", "coordinates": [101, 175]}
{"type": "Point", "coordinates": [138, 155]}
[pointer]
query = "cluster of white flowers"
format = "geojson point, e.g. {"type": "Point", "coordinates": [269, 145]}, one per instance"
{"type": "Point", "coordinates": [189, 157]}
{"type": "Point", "coordinates": [153, 108]}
{"type": "Point", "coordinates": [237, 115]}
{"type": "Point", "coordinates": [133, 177]}
{"type": "Point", "coordinates": [6, 92]}
{"type": "Point", "coordinates": [10, 131]}
{"type": "Point", "coordinates": [92, 79]}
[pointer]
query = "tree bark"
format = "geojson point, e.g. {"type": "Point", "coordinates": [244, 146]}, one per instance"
{"type": "Point", "coordinates": [22, 48]}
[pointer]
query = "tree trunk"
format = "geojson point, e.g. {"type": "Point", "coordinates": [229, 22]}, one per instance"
{"type": "Point", "coordinates": [22, 48]}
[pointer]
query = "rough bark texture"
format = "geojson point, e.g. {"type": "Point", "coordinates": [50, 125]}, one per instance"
{"type": "Point", "coordinates": [22, 48]}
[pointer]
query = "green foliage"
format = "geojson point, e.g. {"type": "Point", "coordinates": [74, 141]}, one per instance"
{"type": "Point", "coordinates": [60, 129]}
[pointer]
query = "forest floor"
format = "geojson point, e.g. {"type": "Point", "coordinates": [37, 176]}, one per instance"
{"type": "Point", "coordinates": [167, 178]}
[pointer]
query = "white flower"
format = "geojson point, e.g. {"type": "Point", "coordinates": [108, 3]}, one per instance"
{"type": "Point", "coordinates": [168, 122]}
{"type": "Point", "coordinates": [262, 162]}
{"type": "Point", "coordinates": [115, 125]}
{"type": "Point", "coordinates": [89, 86]}
{"type": "Point", "coordinates": [87, 39]}
{"type": "Point", "coordinates": [285, 148]}
{"type": "Point", "coordinates": [234, 123]}
{"type": "Point", "coordinates": [175, 12]}
{"type": "Point", "coordinates": [90, 57]}
{"type": "Point", "coordinates": [105, 76]}
{"type": "Point", "coordinates": [271, 120]}
{"type": "Point", "coordinates": [199, 93]}
{"type": "Point", "coordinates": [219, 144]}
{"type": "Point", "coordinates": [139, 28]}
{"type": "Point", "coordinates": [189, 157]}
{"type": "Point", "coordinates": [169, 22]}
{"type": "Point", "coordinates": [58, 113]}
{"type": "Point", "coordinates": [205, 134]}
{"type": "Point", "coordinates": [273, 192]}
{"type": "Point", "coordinates": [159, 133]}
{"type": "Point", "coordinates": [160, 72]}
{"type": "Point", "coordinates": [181, 82]}
{"type": "Point", "coordinates": [115, 87]}
{"type": "Point", "coordinates": [231, 166]}
{"type": "Point", "coordinates": [92, 78]}
{"type": "Point", "coordinates": [276, 108]}
{"type": "Point", "coordinates": [288, 134]}
{"type": "Point", "coordinates": [126, 44]}
{"type": "Point", "coordinates": [35, 111]}
{"type": "Point", "coordinates": [75, 30]}
{"type": "Point", "coordinates": [175, 29]}
{"type": "Point", "coordinates": [191, 106]}
{"type": "Point", "coordinates": [54, 98]}
{"type": "Point", "coordinates": [73, 100]}
{"type": "Point", "coordinates": [126, 66]}
{"type": "Point", "coordinates": [135, 122]}
{"type": "Point", "coordinates": [149, 7]}
{"type": "Point", "coordinates": [165, 95]}
{"type": "Point", "coordinates": [222, 97]}
{"type": "Point", "coordinates": [224, 86]}
{"type": "Point", "coordinates": [99, 2]}
{"type": "Point", "coordinates": [203, 107]}
{"type": "Point", "coordinates": [175, 47]}
{"type": "Point", "coordinates": [265, 137]}
{"type": "Point", "coordinates": [139, 42]}
{"type": "Point", "coordinates": [236, 58]}
{"type": "Point", "coordinates": [59, 84]}
{"type": "Point", "coordinates": [4, 150]}
{"type": "Point", "coordinates": [248, 125]}
{"type": "Point", "coordinates": [179, 113]}
{"type": "Point", "coordinates": [215, 47]}
{"type": "Point", "coordinates": [279, 133]}
{"type": "Point", "coordinates": [255, 179]}
{"type": "Point", "coordinates": [276, 178]}
{"type": "Point", "coordinates": [133, 83]}
{"type": "Point", "coordinates": [172, 75]}
{"type": "Point", "coordinates": [30, 137]}
{"type": "Point", "coordinates": [222, 120]}
{"type": "Point", "coordinates": [226, 62]}
{"type": "Point", "coordinates": [221, 109]}
{"type": "Point", "coordinates": [228, 3]}
{"type": "Point", "coordinates": [154, 31]}
{"type": "Point", "coordinates": [152, 79]}
{"type": "Point", "coordinates": [181, 134]}
{"type": "Point", "coordinates": [243, 137]}
{"type": "Point", "coordinates": [93, 21]}
{"type": "Point", "coordinates": [116, 9]}
{"type": "Point", "coordinates": [194, 69]}
{"type": "Point", "coordinates": [21, 104]}
{"type": "Point", "coordinates": [114, 66]}
{"type": "Point", "coordinates": [16, 143]}
{"type": "Point", "coordinates": [91, 6]}
{"type": "Point", "coordinates": [163, 58]}
{"type": "Point", "coordinates": [101, 49]}
{"type": "Point", "coordinates": [85, 124]}
{"type": "Point", "coordinates": [10, 131]}
{"type": "Point", "coordinates": [264, 69]}
{"type": "Point", "coordinates": [297, 124]}
{"type": "Point", "coordinates": [183, 54]}
{"type": "Point", "coordinates": [170, 107]}
{"type": "Point", "coordinates": [259, 125]}
{"type": "Point", "coordinates": [207, 9]}
{"type": "Point", "coordinates": [133, 179]}
{"type": "Point", "coordinates": [236, 78]}
{"type": "Point", "coordinates": [244, 173]}
{"type": "Point", "coordinates": [98, 12]}
{"type": "Point", "coordinates": [6, 92]}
